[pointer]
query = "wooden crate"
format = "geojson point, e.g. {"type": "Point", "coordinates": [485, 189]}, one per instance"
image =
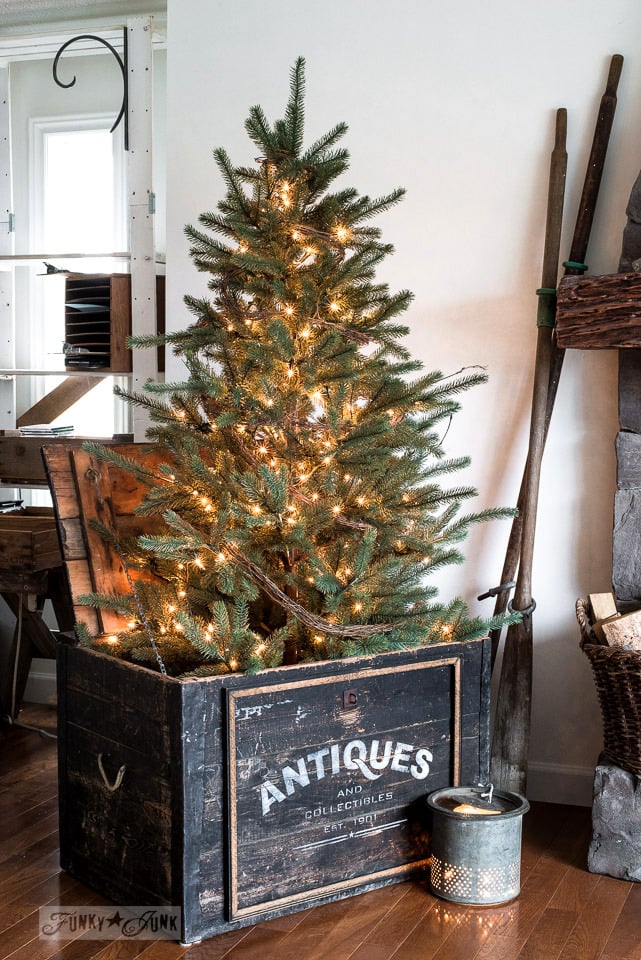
{"type": "Point", "coordinates": [240, 798]}
{"type": "Point", "coordinates": [29, 541]}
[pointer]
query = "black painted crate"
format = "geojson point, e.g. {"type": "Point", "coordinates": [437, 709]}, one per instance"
{"type": "Point", "coordinates": [247, 797]}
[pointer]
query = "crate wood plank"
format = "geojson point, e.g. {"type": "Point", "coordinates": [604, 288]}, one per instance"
{"type": "Point", "coordinates": [599, 312]}
{"type": "Point", "coordinates": [70, 491]}
{"type": "Point", "coordinates": [107, 572]}
{"type": "Point", "coordinates": [79, 579]}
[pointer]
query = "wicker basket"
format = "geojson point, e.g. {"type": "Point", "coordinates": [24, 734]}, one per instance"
{"type": "Point", "coordinates": [617, 674]}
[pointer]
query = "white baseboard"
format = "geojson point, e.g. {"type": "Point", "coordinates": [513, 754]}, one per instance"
{"type": "Point", "coordinates": [41, 683]}
{"type": "Point", "coordinates": [558, 783]}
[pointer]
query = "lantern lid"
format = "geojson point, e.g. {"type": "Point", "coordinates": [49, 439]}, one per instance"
{"type": "Point", "coordinates": [477, 803]}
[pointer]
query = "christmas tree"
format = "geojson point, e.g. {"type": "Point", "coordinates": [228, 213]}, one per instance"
{"type": "Point", "coordinates": [299, 507]}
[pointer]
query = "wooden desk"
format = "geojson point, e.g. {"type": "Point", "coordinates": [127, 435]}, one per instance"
{"type": "Point", "coordinates": [21, 461]}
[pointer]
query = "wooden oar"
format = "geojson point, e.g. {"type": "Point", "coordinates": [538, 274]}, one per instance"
{"type": "Point", "coordinates": [512, 721]}
{"type": "Point", "coordinates": [583, 226]}
{"type": "Point", "coordinates": [515, 689]}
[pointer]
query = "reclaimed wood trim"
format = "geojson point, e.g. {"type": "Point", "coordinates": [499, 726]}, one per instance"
{"type": "Point", "coordinates": [597, 313]}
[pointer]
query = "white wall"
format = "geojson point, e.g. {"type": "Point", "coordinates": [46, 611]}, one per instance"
{"type": "Point", "coordinates": [456, 102]}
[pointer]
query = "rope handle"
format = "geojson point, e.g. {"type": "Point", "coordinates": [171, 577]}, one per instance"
{"type": "Point", "coordinates": [112, 787]}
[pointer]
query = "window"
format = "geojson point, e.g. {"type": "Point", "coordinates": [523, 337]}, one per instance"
{"type": "Point", "coordinates": [78, 206]}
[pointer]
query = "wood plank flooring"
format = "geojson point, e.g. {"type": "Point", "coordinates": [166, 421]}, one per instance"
{"type": "Point", "coordinates": [562, 913]}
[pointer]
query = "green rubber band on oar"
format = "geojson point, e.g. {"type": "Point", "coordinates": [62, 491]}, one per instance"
{"type": "Point", "coordinates": [574, 265]}
{"type": "Point", "coordinates": [546, 313]}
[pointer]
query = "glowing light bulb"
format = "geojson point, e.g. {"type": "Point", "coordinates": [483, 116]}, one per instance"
{"type": "Point", "coordinates": [171, 608]}
{"type": "Point", "coordinates": [360, 501]}
{"type": "Point", "coordinates": [178, 627]}
{"type": "Point", "coordinates": [289, 310]}
{"type": "Point", "coordinates": [306, 332]}
{"type": "Point", "coordinates": [290, 372]}
{"type": "Point", "coordinates": [261, 648]}
{"type": "Point", "coordinates": [357, 607]}
{"type": "Point", "coordinates": [314, 497]}
{"type": "Point", "coordinates": [220, 557]}
{"type": "Point", "coordinates": [318, 638]}
{"type": "Point", "coordinates": [342, 233]}
{"type": "Point", "coordinates": [336, 509]}
{"type": "Point", "coordinates": [199, 563]}
{"type": "Point", "coordinates": [295, 235]}
{"type": "Point", "coordinates": [262, 448]}
{"type": "Point", "coordinates": [112, 640]}
{"type": "Point", "coordinates": [269, 403]}
{"type": "Point", "coordinates": [182, 593]}
{"type": "Point", "coordinates": [163, 630]}
{"type": "Point", "coordinates": [131, 624]}
{"type": "Point", "coordinates": [327, 460]}
{"type": "Point", "coordinates": [334, 307]}
{"type": "Point", "coordinates": [256, 509]}
{"type": "Point", "coordinates": [347, 476]}
{"type": "Point", "coordinates": [310, 579]}
{"type": "Point", "coordinates": [348, 571]}
{"type": "Point", "coordinates": [230, 327]}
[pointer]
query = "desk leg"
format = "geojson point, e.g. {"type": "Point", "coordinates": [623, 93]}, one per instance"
{"type": "Point", "coordinates": [15, 678]}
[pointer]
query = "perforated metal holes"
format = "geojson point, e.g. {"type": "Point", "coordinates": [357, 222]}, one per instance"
{"type": "Point", "coordinates": [490, 885]}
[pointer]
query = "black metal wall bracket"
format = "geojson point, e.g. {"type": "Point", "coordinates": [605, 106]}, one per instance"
{"type": "Point", "coordinates": [122, 63]}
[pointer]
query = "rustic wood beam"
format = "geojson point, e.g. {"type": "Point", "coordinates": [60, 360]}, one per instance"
{"type": "Point", "coordinates": [54, 403]}
{"type": "Point", "coordinates": [599, 312]}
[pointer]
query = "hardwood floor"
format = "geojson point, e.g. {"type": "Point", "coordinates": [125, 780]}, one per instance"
{"type": "Point", "coordinates": [562, 913]}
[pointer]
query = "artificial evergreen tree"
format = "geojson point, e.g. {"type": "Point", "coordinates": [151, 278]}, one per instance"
{"type": "Point", "coordinates": [300, 503]}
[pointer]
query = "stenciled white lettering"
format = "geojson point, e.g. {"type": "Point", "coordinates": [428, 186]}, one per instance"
{"type": "Point", "coordinates": [358, 763]}
{"type": "Point", "coordinates": [270, 794]}
{"type": "Point", "coordinates": [369, 759]}
{"type": "Point", "coordinates": [291, 776]}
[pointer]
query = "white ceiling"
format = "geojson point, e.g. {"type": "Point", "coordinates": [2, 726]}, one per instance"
{"type": "Point", "coordinates": [16, 13]}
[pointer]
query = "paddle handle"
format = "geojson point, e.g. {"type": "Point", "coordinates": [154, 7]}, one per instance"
{"type": "Point", "coordinates": [596, 163]}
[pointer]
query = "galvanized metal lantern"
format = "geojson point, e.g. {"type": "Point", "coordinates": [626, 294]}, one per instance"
{"type": "Point", "coordinates": [476, 844]}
